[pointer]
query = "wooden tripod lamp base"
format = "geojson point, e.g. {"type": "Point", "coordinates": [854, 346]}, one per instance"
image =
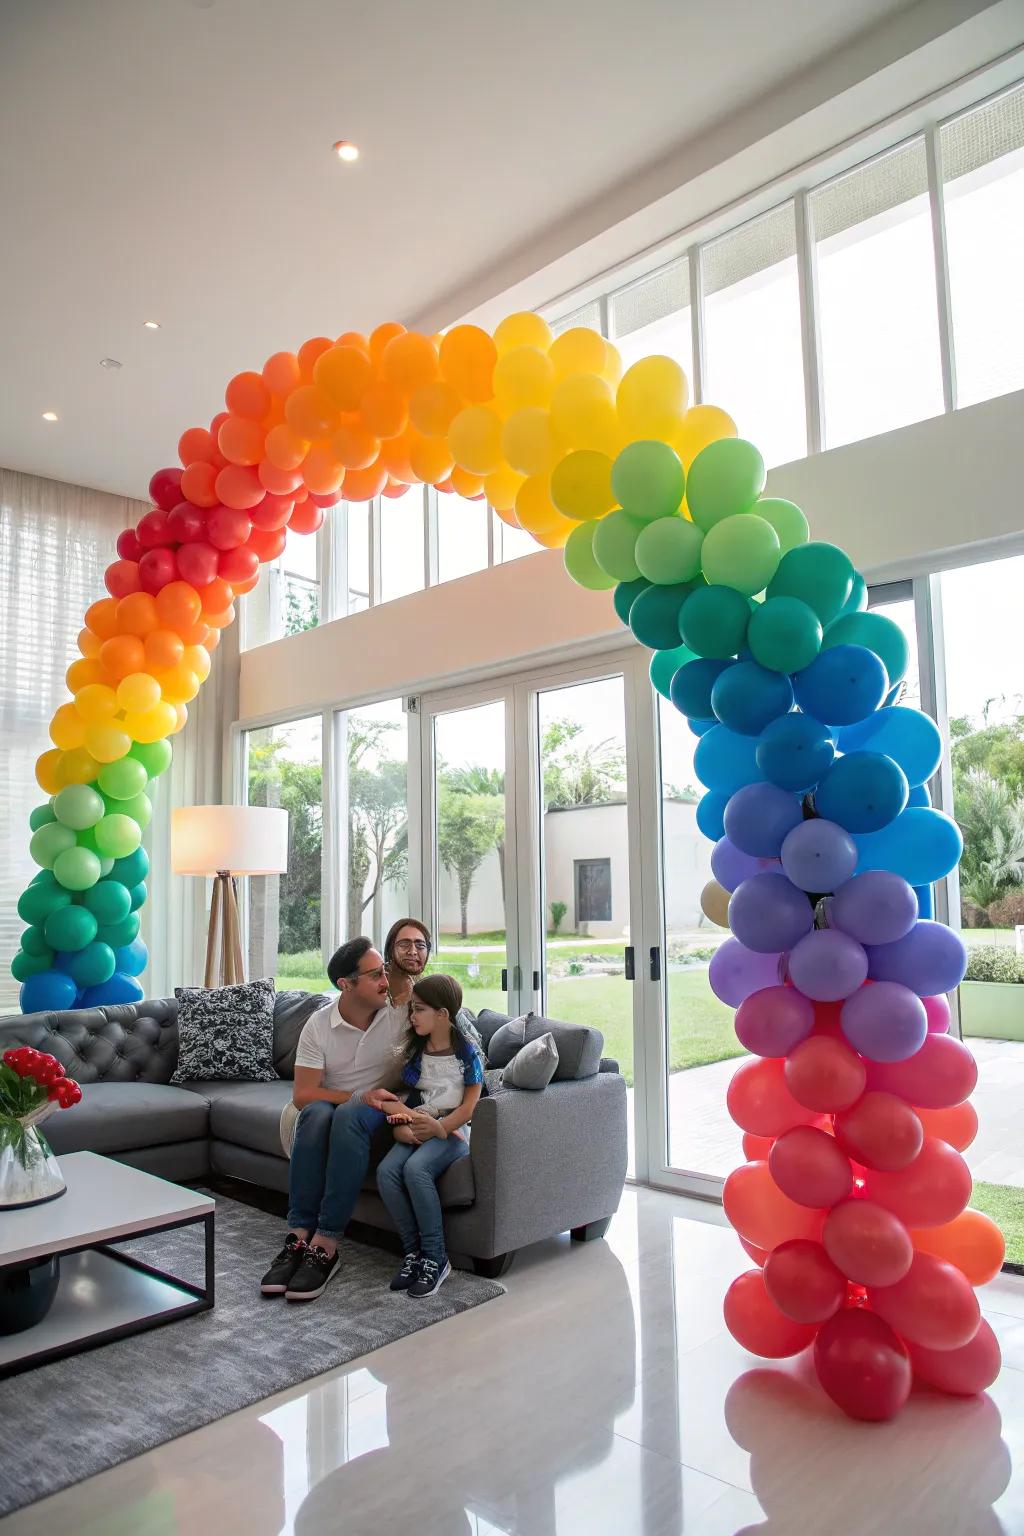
{"type": "Point", "coordinates": [223, 842]}
{"type": "Point", "coordinates": [225, 933]}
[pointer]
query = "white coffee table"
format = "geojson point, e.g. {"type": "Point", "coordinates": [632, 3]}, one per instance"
{"type": "Point", "coordinates": [103, 1294]}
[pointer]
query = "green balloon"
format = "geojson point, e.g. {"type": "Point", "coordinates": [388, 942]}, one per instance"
{"type": "Point", "coordinates": [819, 574]}
{"type": "Point", "coordinates": [714, 621]}
{"type": "Point", "coordinates": [741, 552]}
{"type": "Point", "coordinates": [124, 932]}
{"type": "Point", "coordinates": [626, 594]}
{"type": "Point", "coordinates": [787, 520]}
{"type": "Point", "coordinates": [109, 901]}
{"type": "Point", "coordinates": [654, 617]}
{"type": "Point", "coordinates": [858, 598]}
{"type": "Point", "coordinates": [725, 479]}
{"type": "Point", "coordinates": [23, 966]}
{"type": "Point", "coordinates": [33, 941]}
{"type": "Point", "coordinates": [614, 545]}
{"type": "Point", "coordinates": [138, 894]}
{"type": "Point", "coordinates": [668, 551]}
{"type": "Point", "coordinates": [784, 634]}
{"type": "Point", "coordinates": [648, 480]}
{"type": "Point", "coordinates": [77, 869]}
{"type": "Point", "coordinates": [665, 665]}
{"type": "Point", "coordinates": [117, 836]}
{"type": "Point", "coordinates": [581, 563]}
{"type": "Point", "coordinates": [878, 634]}
{"type": "Point", "coordinates": [132, 869]}
{"type": "Point", "coordinates": [70, 928]}
{"type": "Point", "coordinates": [37, 902]}
{"type": "Point", "coordinates": [50, 841]}
{"type": "Point", "coordinates": [123, 779]}
{"type": "Point", "coordinates": [78, 806]}
{"type": "Point", "coordinates": [41, 816]}
{"type": "Point", "coordinates": [93, 965]}
{"type": "Point", "coordinates": [139, 808]}
{"type": "Point", "coordinates": [155, 756]}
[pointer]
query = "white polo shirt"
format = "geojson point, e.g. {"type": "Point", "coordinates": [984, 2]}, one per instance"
{"type": "Point", "coordinates": [347, 1058]}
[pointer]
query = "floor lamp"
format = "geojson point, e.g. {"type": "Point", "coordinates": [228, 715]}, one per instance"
{"type": "Point", "coordinates": [223, 842]}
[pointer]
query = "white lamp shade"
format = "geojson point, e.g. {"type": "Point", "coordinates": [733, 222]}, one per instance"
{"type": "Point", "coordinates": [243, 839]}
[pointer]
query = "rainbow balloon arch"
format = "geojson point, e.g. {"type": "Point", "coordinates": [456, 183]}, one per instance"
{"type": "Point", "coordinates": [853, 1203]}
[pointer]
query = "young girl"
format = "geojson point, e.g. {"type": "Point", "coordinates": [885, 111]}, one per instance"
{"type": "Point", "coordinates": [445, 1068]}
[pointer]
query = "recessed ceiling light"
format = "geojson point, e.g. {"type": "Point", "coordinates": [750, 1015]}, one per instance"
{"type": "Point", "coordinates": [151, 325]}
{"type": "Point", "coordinates": [346, 150]}
{"type": "Point", "coordinates": [49, 415]}
{"type": "Point", "coordinates": [109, 362]}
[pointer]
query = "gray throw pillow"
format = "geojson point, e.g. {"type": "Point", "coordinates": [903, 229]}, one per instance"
{"type": "Point", "coordinates": [226, 1033]}
{"type": "Point", "coordinates": [534, 1066]}
{"type": "Point", "coordinates": [579, 1047]}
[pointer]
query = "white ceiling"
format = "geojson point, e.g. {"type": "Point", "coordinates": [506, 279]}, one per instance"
{"type": "Point", "coordinates": [171, 160]}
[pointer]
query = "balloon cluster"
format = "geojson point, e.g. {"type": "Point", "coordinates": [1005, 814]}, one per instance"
{"type": "Point", "coordinates": [853, 1201]}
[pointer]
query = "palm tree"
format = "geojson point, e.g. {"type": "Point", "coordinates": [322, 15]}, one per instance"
{"type": "Point", "coordinates": [991, 819]}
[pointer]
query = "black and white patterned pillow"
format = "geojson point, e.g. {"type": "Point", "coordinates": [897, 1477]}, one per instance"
{"type": "Point", "coordinates": [226, 1033]}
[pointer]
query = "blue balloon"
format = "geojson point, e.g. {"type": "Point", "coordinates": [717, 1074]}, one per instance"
{"type": "Point", "coordinates": [930, 959]}
{"type": "Point", "coordinates": [132, 959]}
{"type": "Point", "coordinates": [132, 869]}
{"type": "Point", "coordinates": [911, 738]}
{"type": "Point", "coordinates": [842, 685]}
{"type": "Point", "coordinates": [119, 989]}
{"type": "Point", "coordinates": [922, 845]}
{"type": "Point", "coordinates": [925, 900]}
{"type": "Point", "coordinates": [863, 792]}
{"type": "Point", "coordinates": [795, 751]}
{"type": "Point", "coordinates": [758, 818]}
{"type": "Point", "coordinates": [747, 697]}
{"type": "Point", "coordinates": [726, 761]}
{"type": "Point", "coordinates": [919, 795]}
{"type": "Point", "coordinates": [711, 814]}
{"type": "Point", "coordinates": [47, 991]}
{"type": "Point", "coordinates": [690, 688]}
{"type": "Point", "coordinates": [701, 727]}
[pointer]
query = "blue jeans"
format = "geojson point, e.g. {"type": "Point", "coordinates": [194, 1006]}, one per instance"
{"type": "Point", "coordinates": [407, 1180]}
{"type": "Point", "coordinates": [330, 1156]}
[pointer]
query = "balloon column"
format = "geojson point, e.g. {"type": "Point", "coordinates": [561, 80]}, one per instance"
{"type": "Point", "coordinates": [853, 1201]}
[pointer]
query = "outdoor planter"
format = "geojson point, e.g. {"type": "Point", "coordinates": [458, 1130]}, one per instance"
{"type": "Point", "coordinates": [992, 1010]}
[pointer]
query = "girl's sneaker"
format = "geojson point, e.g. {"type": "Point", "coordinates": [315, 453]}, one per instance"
{"type": "Point", "coordinates": [408, 1273]}
{"type": "Point", "coordinates": [430, 1279]}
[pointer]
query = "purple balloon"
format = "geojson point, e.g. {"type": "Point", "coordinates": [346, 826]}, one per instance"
{"type": "Point", "coordinates": [771, 1022]}
{"type": "Point", "coordinates": [758, 817]}
{"type": "Point", "coordinates": [884, 1022]}
{"type": "Point", "coordinates": [931, 958]}
{"type": "Point", "coordinates": [874, 908]}
{"type": "Point", "coordinates": [819, 855]}
{"type": "Point", "coordinates": [828, 965]}
{"type": "Point", "coordinates": [736, 971]}
{"type": "Point", "coordinates": [768, 913]}
{"type": "Point", "coordinates": [729, 866]}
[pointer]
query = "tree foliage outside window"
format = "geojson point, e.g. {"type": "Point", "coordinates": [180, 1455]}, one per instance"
{"type": "Point", "coordinates": [988, 802]}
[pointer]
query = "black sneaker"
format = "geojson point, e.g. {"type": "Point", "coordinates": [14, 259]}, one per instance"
{"type": "Point", "coordinates": [408, 1273]}
{"type": "Point", "coordinates": [278, 1277]}
{"type": "Point", "coordinates": [430, 1279]}
{"type": "Point", "coordinates": [310, 1279]}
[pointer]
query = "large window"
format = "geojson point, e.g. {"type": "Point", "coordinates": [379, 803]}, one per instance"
{"type": "Point", "coordinates": [357, 555]}
{"type": "Point", "coordinates": [654, 316]}
{"type": "Point", "coordinates": [512, 543]}
{"type": "Point", "coordinates": [287, 598]}
{"type": "Point", "coordinates": [401, 544]}
{"type": "Point", "coordinates": [284, 767]}
{"type": "Point", "coordinates": [461, 537]}
{"type": "Point", "coordinates": [372, 756]}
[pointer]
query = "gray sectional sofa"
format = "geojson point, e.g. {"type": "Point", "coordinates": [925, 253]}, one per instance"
{"type": "Point", "coordinates": [539, 1164]}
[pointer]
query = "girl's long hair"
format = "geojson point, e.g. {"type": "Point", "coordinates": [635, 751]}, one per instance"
{"type": "Point", "coordinates": [437, 991]}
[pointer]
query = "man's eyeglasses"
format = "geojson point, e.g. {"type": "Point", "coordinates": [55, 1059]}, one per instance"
{"type": "Point", "coordinates": [374, 975]}
{"type": "Point", "coordinates": [418, 944]}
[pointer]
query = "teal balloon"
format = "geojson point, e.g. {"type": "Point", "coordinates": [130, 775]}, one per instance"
{"type": "Point", "coordinates": [49, 842]}
{"type": "Point", "coordinates": [787, 519]}
{"type": "Point", "coordinates": [784, 634]}
{"type": "Point", "coordinates": [668, 551]}
{"type": "Point", "coordinates": [77, 869]}
{"type": "Point", "coordinates": [654, 617]}
{"type": "Point", "coordinates": [665, 665]}
{"type": "Point", "coordinates": [879, 634]}
{"type": "Point", "coordinates": [581, 562]}
{"type": "Point", "coordinates": [821, 575]}
{"type": "Point", "coordinates": [858, 598]}
{"type": "Point", "coordinates": [725, 479]}
{"type": "Point", "coordinates": [33, 941]}
{"type": "Point", "coordinates": [109, 901]}
{"type": "Point", "coordinates": [24, 965]}
{"type": "Point", "coordinates": [78, 806]}
{"type": "Point", "coordinates": [124, 779]}
{"type": "Point", "coordinates": [138, 895]}
{"type": "Point", "coordinates": [92, 965]}
{"type": "Point", "coordinates": [625, 595]}
{"type": "Point", "coordinates": [614, 545]}
{"type": "Point", "coordinates": [648, 480]}
{"type": "Point", "coordinates": [155, 756]}
{"type": "Point", "coordinates": [41, 816]}
{"type": "Point", "coordinates": [741, 552]}
{"type": "Point", "coordinates": [124, 932]}
{"type": "Point", "coordinates": [132, 869]}
{"type": "Point", "coordinates": [70, 928]}
{"type": "Point", "coordinates": [37, 902]}
{"type": "Point", "coordinates": [714, 622]}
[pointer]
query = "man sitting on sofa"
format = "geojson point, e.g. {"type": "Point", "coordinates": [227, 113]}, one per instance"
{"type": "Point", "coordinates": [344, 1065]}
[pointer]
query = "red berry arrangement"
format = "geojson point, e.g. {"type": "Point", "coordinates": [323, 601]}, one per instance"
{"type": "Point", "coordinates": [33, 1086]}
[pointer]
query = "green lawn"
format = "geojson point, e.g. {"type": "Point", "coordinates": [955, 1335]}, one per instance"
{"type": "Point", "coordinates": [1005, 1204]}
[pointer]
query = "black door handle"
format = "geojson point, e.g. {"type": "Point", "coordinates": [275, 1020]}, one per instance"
{"type": "Point", "coordinates": [536, 981]}
{"type": "Point", "coordinates": [655, 963]}
{"type": "Point", "coordinates": [504, 979]}
{"type": "Point", "coordinates": [630, 963]}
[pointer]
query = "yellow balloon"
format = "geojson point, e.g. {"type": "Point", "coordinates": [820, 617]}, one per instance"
{"type": "Point", "coordinates": [702, 424]}
{"type": "Point", "coordinates": [523, 377]}
{"type": "Point", "coordinates": [538, 515]}
{"type": "Point", "coordinates": [580, 350]}
{"type": "Point", "coordinates": [77, 767]}
{"type": "Point", "coordinates": [529, 442]}
{"type": "Point", "coordinates": [138, 692]}
{"type": "Point", "coordinates": [106, 742]}
{"type": "Point", "coordinates": [651, 399]}
{"type": "Point", "coordinates": [583, 413]}
{"type": "Point", "coordinates": [178, 684]}
{"type": "Point", "coordinates": [67, 728]}
{"type": "Point", "coordinates": [47, 775]}
{"type": "Point", "coordinates": [95, 703]}
{"type": "Point", "coordinates": [501, 489]}
{"type": "Point", "coordinates": [152, 724]}
{"type": "Point", "coordinates": [474, 438]}
{"type": "Point", "coordinates": [581, 485]}
{"type": "Point", "coordinates": [433, 408]}
{"type": "Point", "coordinates": [197, 659]}
{"type": "Point", "coordinates": [180, 720]}
{"type": "Point", "coordinates": [612, 370]}
{"type": "Point", "coordinates": [714, 903]}
{"type": "Point", "coordinates": [522, 330]}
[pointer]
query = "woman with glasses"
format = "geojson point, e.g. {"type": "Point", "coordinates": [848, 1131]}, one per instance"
{"type": "Point", "coordinates": [406, 952]}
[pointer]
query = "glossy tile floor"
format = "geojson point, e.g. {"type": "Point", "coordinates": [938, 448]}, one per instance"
{"type": "Point", "coordinates": [601, 1395]}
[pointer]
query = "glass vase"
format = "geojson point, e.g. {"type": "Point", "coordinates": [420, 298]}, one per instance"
{"type": "Point", "coordinates": [29, 1172]}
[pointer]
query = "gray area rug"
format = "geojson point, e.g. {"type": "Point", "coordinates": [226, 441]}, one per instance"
{"type": "Point", "coordinates": [65, 1422]}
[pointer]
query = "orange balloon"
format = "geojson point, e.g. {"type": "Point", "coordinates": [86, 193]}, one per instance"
{"type": "Point", "coordinates": [286, 448]}
{"type": "Point", "coordinates": [394, 455]}
{"type": "Point", "coordinates": [310, 350]}
{"type": "Point", "coordinates": [137, 613]}
{"type": "Point", "coordinates": [761, 1213]}
{"type": "Point", "coordinates": [409, 361]}
{"type": "Point", "coordinates": [246, 584]}
{"type": "Point", "coordinates": [957, 1125]}
{"type": "Point", "coordinates": [222, 619]}
{"type": "Point", "coordinates": [364, 484]}
{"type": "Point", "coordinates": [196, 446]}
{"type": "Point", "coordinates": [468, 357]}
{"type": "Point", "coordinates": [466, 484]}
{"type": "Point", "coordinates": [101, 617]}
{"type": "Point", "coordinates": [971, 1241]}
{"type": "Point", "coordinates": [354, 339]}
{"type": "Point", "coordinates": [67, 728]}
{"type": "Point", "coordinates": [322, 472]}
{"type": "Point", "coordinates": [281, 373]}
{"type": "Point", "coordinates": [758, 1099]}
{"type": "Point", "coordinates": [163, 649]}
{"type": "Point", "coordinates": [198, 484]}
{"type": "Point", "coordinates": [384, 411]}
{"type": "Point", "coordinates": [77, 767]}
{"type": "Point", "coordinates": [241, 440]}
{"type": "Point", "coordinates": [353, 446]}
{"type": "Point", "coordinates": [81, 674]}
{"type": "Point", "coordinates": [197, 659]}
{"type": "Point", "coordinates": [501, 488]}
{"type": "Point", "coordinates": [47, 766]}
{"type": "Point", "coordinates": [177, 607]}
{"type": "Point", "coordinates": [430, 459]}
{"type": "Point", "coordinates": [216, 597]}
{"type": "Point", "coordinates": [344, 374]}
{"type": "Point", "coordinates": [433, 407]}
{"type": "Point", "coordinates": [279, 482]}
{"type": "Point", "coordinates": [178, 684]}
{"type": "Point", "coordinates": [380, 337]}
{"type": "Point", "coordinates": [247, 395]}
{"type": "Point", "coordinates": [310, 412]}
{"type": "Point", "coordinates": [88, 643]}
{"type": "Point", "coordinates": [123, 655]}
{"type": "Point", "coordinates": [239, 487]}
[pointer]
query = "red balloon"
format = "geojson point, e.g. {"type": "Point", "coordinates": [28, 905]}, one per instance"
{"type": "Point", "coordinates": [961, 1372]}
{"type": "Point", "coordinates": [122, 578]}
{"type": "Point", "coordinates": [273, 512]}
{"type": "Point", "coordinates": [757, 1148]}
{"type": "Point", "coordinates": [758, 1099]}
{"type": "Point", "coordinates": [165, 488]}
{"type": "Point", "coordinates": [756, 1323]}
{"type": "Point", "coordinates": [227, 528]}
{"type": "Point", "coordinates": [807, 1166]}
{"type": "Point", "coordinates": [326, 499]}
{"type": "Point", "coordinates": [868, 1243]}
{"type": "Point", "coordinates": [308, 517]}
{"type": "Point", "coordinates": [128, 546]}
{"type": "Point", "coordinates": [752, 1251]}
{"type": "Point", "coordinates": [197, 562]}
{"type": "Point", "coordinates": [803, 1282]}
{"type": "Point", "coordinates": [186, 522]}
{"type": "Point", "coordinates": [942, 1073]}
{"type": "Point", "coordinates": [880, 1131]}
{"type": "Point", "coordinates": [933, 1304]}
{"type": "Point", "coordinates": [156, 568]}
{"type": "Point", "coordinates": [824, 1074]}
{"type": "Point", "coordinates": [268, 545]}
{"type": "Point", "coordinates": [930, 1191]}
{"type": "Point", "coordinates": [238, 565]}
{"type": "Point", "coordinates": [153, 530]}
{"type": "Point", "coordinates": [761, 1213]}
{"type": "Point", "coordinates": [862, 1365]}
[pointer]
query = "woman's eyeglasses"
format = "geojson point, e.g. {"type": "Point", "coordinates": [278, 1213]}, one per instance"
{"type": "Point", "coordinates": [418, 944]}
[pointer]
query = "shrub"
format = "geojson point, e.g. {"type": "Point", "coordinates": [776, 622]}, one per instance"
{"type": "Point", "coordinates": [990, 962]}
{"type": "Point", "coordinates": [972, 916]}
{"type": "Point", "coordinates": [558, 911]}
{"type": "Point", "coordinates": [1008, 911]}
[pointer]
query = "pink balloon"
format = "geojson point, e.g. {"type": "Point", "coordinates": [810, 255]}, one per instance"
{"type": "Point", "coordinates": [880, 1131]}
{"type": "Point", "coordinates": [771, 1022]}
{"type": "Point", "coordinates": [928, 1192]}
{"type": "Point", "coordinates": [868, 1243]}
{"type": "Point", "coordinates": [862, 1365]}
{"type": "Point", "coordinates": [825, 1074]}
{"type": "Point", "coordinates": [810, 1168]}
{"type": "Point", "coordinates": [961, 1372]}
{"type": "Point", "coordinates": [933, 1305]}
{"type": "Point", "coordinates": [758, 1099]}
{"type": "Point", "coordinates": [937, 1010]}
{"type": "Point", "coordinates": [803, 1282]}
{"type": "Point", "coordinates": [756, 1323]}
{"type": "Point", "coordinates": [942, 1073]}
